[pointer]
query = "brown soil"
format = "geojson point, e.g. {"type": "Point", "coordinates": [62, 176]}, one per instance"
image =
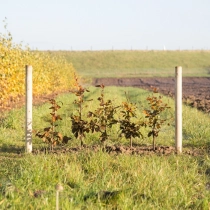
{"type": "Point", "coordinates": [119, 149]}
{"type": "Point", "coordinates": [19, 102]}
{"type": "Point", "coordinates": [196, 90]}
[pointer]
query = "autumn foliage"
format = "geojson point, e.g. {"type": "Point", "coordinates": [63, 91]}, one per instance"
{"type": "Point", "coordinates": [50, 73]}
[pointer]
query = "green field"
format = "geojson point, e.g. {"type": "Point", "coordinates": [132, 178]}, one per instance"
{"type": "Point", "coordinates": [138, 63]}
{"type": "Point", "coordinates": [97, 180]}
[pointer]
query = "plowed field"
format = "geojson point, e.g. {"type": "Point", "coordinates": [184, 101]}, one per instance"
{"type": "Point", "coordinates": [196, 90]}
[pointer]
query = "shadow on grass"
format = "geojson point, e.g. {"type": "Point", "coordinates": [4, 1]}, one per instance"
{"type": "Point", "coordinates": [5, 148]}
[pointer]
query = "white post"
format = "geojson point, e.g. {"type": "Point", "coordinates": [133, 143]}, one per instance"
{"type": "Point", "coordinates": [28, 129]}
{"type": "Point", "coordinates": [178, 108]}
{"type": "Point", "coordinates": [59, 188]}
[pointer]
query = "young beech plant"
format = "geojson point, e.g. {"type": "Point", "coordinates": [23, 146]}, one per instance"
{"type": "Point", "coordinates": [153, 115]}
{"type": "Point", "coordinates": [79, 126]}
{"type": "Point", "coordinates": [103, 116]}
{"type": "Point", "coordinates": [128, 128]}
{"type": "Point", "coordinates": [49, 134]}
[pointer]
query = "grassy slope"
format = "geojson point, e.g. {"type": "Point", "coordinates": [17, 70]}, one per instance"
{"type": "Point", "coordinates": [138, 63]}
{"type": "Point", "coordinates": [148, 182]}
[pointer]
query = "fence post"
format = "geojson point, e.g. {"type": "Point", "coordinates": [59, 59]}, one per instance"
{"type": "Point", "coordinates": [178, 108]}
{"type": "Point", "coordinates": [28, 129]}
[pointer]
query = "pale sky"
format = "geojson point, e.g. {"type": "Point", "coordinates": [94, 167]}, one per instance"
{"type": "Point", "coordinates": [108, 24]}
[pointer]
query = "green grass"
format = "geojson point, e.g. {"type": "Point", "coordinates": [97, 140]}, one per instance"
{"type": "Point", "coordinates": [99, 64]}
{"type": "Point", "coordinates": [174, 182]}
{"type": "Point", "coordinates": [136, 182]}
